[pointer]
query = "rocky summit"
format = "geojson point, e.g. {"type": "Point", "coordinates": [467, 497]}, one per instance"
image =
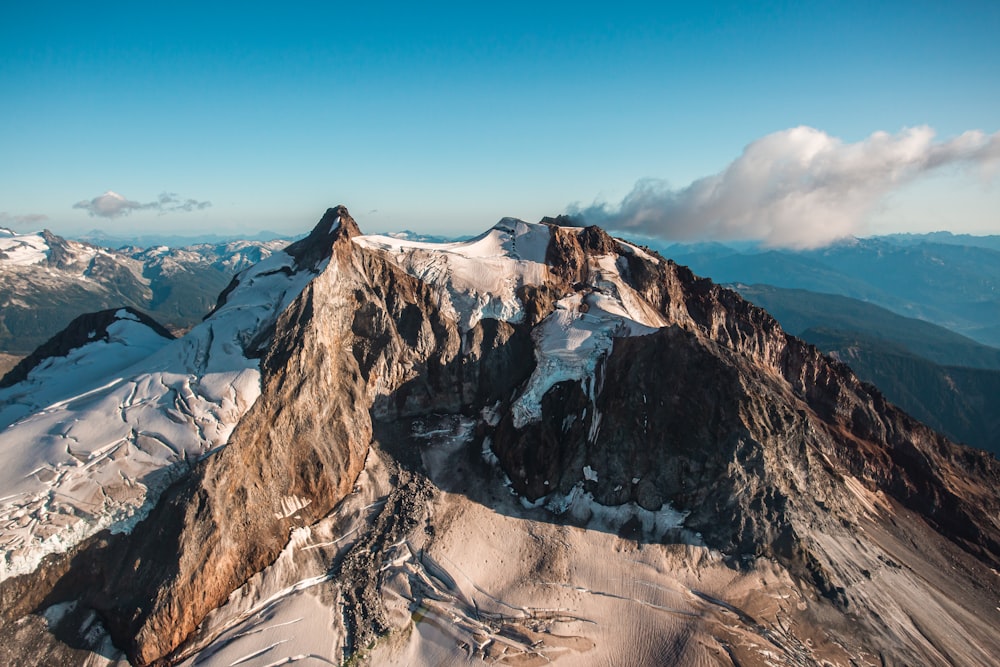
{"type": "Point", "coordinates": [540, 445]}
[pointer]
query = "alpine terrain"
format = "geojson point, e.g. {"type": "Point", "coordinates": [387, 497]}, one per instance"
{"type": "Point", "coordinates": [539, 445]}
{"type": "Point", "coordinates": [46, 281]}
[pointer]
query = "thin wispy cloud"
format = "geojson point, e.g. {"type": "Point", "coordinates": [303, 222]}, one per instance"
{"type": "Point", "coordinates": [798, 188]}
{"type": "Point", "coordinates": [113, 205]}
{"type": "Point", "coordinates": [27, 219]}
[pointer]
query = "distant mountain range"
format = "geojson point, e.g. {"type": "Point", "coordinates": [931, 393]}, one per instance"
{"type": "Point", "coordinates": [105, 240]}
{"type": "Point", "coordinates": [46, 281]}
{"type": "Point", "coordinates": [947, 283]}
{"type": "Point", "coordinates": [944, 379]}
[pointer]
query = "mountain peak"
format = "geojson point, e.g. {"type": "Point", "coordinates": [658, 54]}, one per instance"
{"type": "Point", "coordinates": [561, 220]}
{"type": "Point", "coordinates": [335, 227]}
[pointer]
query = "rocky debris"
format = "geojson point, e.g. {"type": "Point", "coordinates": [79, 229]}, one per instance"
{"type": "Point", "coordinates": [361, 569]}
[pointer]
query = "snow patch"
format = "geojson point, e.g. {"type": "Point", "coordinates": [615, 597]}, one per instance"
{"type": "Point", "coordinates": [580, 506]}
{"type": "Point", "coordinates": [478, 278]}
{"type": "Point", "coordinates": [290, 505]}
{"type": "Point", "coordinates": [581, 331]}
{"type": "Point", "coordinates": [23, 249]}
{"type": "Point", "coordinates": [568, 346]}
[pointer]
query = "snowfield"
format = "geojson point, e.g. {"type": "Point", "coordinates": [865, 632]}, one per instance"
{"type": "Point", "coordinates": [22, 249]}
{"type": "Point", "coordinates": [90, 440]}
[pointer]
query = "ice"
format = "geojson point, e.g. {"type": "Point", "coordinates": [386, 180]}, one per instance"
{"type": "Point", "coordinates": [570, 343]}
{"type": "Point", "coordinates": [580, 332]}
{"type": "Point", "coordinates": [478, 278]}
{"type": "Point", "coordinates": [580, 505]}
{"type": "Point", "coordinates": [90, 439]}
{"type": "Point", "coordinates": [83, 369]}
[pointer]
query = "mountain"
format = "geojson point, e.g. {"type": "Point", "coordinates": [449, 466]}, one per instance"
{"type": "Point", "coordinates": [539, 445]}
{"type": "Point", "coordinates": [990, 241]}
{"type": "Point", "coordinates": [959, 401]}
{"type": "Point", "coordinates": [46, 281]}
{"type": "Point", "coordinates": [945, 380]}
{"type": "Point", "coordinates": [955, 286]}
{"type": "Point", "coordinates": [799, 310]}
{"type": "Point", "coordinates": [103, 239]}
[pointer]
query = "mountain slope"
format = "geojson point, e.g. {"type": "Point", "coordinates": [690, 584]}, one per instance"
{"type": "Point", "coordinates": [46, 281]}
{"type": "Point", "coordinates": [95, 426]}
{"type": "Point", "coordinates": [961, 402]}
{"type": "Point", "coordinates": [943, 379]}
{"type": "Point", "coordinates": [540, 444]}
{"type": "Point", "coordinates": [954, 286]}
{"type": "Point", "coordinates": [799, 310]}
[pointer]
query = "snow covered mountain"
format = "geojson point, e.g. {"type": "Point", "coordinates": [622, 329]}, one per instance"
{"type": "Point", "coordinates": [46, 281]}
{"type": "Point", "coordinates": [539, 445]}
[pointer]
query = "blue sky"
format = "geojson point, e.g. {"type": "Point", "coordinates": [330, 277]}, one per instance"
{"type": "Point", "coordinates": [445, 119]}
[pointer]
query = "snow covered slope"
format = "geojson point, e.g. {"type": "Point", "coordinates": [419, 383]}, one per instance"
{"type": "Point", "coordinates": [22, 249]}
{"type": "Point", "coordinates": [483, 278]}
{"type": "Point", "coordinates": [90, 438]}
{"type": "Point", "coordinates": [476, 278]}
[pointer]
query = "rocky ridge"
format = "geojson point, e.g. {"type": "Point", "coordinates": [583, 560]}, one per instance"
{"type": "Point", "coordinates": [594, 374]}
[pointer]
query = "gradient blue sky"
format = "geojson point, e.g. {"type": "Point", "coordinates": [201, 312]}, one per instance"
{"type": "Point", "coordinates": [445, 119]}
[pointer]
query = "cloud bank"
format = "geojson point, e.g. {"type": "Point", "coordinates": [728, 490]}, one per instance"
{"type": "Point", "coordinates": [113, 205]}
{"type": "Point", "coordinates": [798, 188]}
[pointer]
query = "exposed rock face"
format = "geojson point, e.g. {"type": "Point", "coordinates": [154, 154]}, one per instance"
{"type": "Point", "coordinates": [691, 400]}
{"type": "Point", "coordinates": [348, 338]}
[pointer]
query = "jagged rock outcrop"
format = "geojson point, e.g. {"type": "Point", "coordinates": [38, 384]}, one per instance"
{"type": "Point", "coordinates": [590, 367]}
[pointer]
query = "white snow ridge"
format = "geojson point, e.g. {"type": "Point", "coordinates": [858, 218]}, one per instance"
{"type": "Point", "coordinates": [477, 278]}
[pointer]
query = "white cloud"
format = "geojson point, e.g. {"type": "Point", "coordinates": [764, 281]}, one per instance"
{"type": "Point", "coordinates": [796, 188]}
{"type": "Point", "coordinates": [113, 205]}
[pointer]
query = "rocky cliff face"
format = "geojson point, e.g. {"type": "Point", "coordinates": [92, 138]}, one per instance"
{"type": "Point", "coordinates": [588, 369]}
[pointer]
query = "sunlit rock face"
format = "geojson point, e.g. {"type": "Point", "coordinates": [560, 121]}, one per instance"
{"type": "Point", "coordinates": [569, 391]}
